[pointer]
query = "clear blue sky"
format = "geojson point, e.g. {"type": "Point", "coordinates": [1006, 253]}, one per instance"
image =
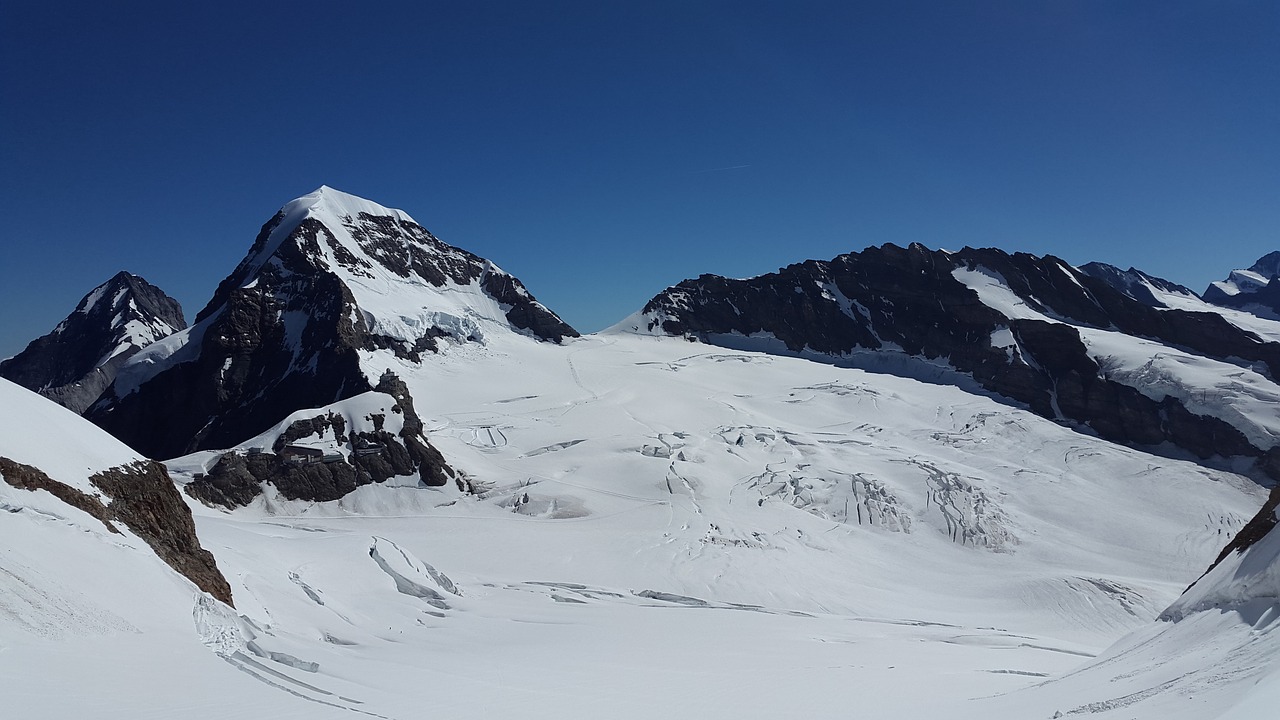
{"type": "Point", "coordinates": [602, 151]}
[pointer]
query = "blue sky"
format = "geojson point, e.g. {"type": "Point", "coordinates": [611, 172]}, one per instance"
{"type": "Point", "coordinates": [602, 151]}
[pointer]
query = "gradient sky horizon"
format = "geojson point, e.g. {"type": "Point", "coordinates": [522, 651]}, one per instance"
{"type": "Point", "coordinates": [603, 151]}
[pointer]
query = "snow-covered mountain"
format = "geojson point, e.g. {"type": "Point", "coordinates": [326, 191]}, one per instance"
{"type": "Point", "coordinates": [1134, 359]}
{"type": "Point", "coordinates": [331, 283]}
{"type": "Point", "coordinates": [74, 363]}
{"type": "Point", "coordinates": [422, 493]}
{"type": "Point", "coordinates": [1253, 289]}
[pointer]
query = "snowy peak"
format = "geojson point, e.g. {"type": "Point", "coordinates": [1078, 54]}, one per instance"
{"type": "Point", "coordinates": [407, 282]}
{"type": "Point", "coordinates": [75, 362]}
{"type": "Point", "coordinates": [334, 291]}
{"type": "Point", "coordinates": [1252, 289]}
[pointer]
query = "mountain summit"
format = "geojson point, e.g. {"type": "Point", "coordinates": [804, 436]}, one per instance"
{"type": "Point", "coordinates": [75, 362]}
{"type": "Point", "coordinates": [1253, 289]}
{"type": "Point", "coordinates": [335, 290]}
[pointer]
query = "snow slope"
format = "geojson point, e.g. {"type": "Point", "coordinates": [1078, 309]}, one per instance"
{"type": "Point", "coordinates": [39, 432]}
{"type": "Point", "coordinates": [666, 528]}
{"type": "Point", "coordinates": [92, 623]}
{"type": "Point", "coordinates": [661, 528]}
{"type": "Point", "coordinates": [1211, 655]}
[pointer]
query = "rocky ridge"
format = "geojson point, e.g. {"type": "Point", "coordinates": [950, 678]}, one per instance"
{"type": "Point", "coordinates": [49, 449]}
{"type": "Point", "coordinates": [1030, 345]}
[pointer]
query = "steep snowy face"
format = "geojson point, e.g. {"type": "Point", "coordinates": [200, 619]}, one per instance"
{"type": "Point", "coordinates": [54, 463]}
{"type": "Point", "coordinates": [329, 280]}
{"type": "Point", "coordinates": [409, 287]}
{"type": "Point", "coordinates": [75, 362]}
{"type": "Point", "coordinates": [1132, 357]}
{"type": "Point", "coordinates": [1253, 289]}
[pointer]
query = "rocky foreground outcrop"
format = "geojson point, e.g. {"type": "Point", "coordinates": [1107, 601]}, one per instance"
{"type": "Point", "coordinates": [143, 498]}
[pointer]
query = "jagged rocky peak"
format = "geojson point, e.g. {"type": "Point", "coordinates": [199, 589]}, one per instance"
{"type": "Point", "coordinates": [1253, 289]}
{"type": "Point", "coordinates": [1068, 343]}
{"type": "Point", "coordinates": [333, 290]}
{"type": "Point", "coordinates": [74, 363]}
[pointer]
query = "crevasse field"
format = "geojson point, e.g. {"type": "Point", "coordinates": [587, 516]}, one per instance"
{"type": "Point", "coordinates": [664, 529]}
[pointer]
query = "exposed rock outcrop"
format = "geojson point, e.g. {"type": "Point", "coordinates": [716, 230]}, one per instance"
{"type": "Point", "coordinates": [144, 499]}
{"type": "Point", "coordinates": [342, 456]}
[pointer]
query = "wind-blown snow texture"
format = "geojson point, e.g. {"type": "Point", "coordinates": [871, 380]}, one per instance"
{"type": "Point", "coordinates": [655, 521]}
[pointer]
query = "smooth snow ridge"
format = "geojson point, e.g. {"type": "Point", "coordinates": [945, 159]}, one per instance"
{"type": "Point", "coordinates": [36, 431]}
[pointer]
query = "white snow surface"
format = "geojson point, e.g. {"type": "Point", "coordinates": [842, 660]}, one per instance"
{"type": "Point", "coordinates": [35, 431]}
{"type": "Point", "coordinates": [665, 528]}
{"type": "Point", "coordinates": [358, 416]}
{"type": "Point", "coordinates": [1242, 281]}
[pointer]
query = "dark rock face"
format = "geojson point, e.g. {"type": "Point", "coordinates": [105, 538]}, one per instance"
{"type": "Point", "coordinates": [76, 362]}
{"type": "Point", "coordinates": [144, 498]}
{"type": "Point", "coordinates": [524, 312]}
{"type": "Point", "coordinates": [371, 457]}
{"type": "Point", "coordinates": [892, 298]}
{"type": "Point", "coordinates": [1133, 282]}
{"type": "Point", "coordinates": [283, 332]}
{"type": "Point", "coordinates": [251, 369]}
